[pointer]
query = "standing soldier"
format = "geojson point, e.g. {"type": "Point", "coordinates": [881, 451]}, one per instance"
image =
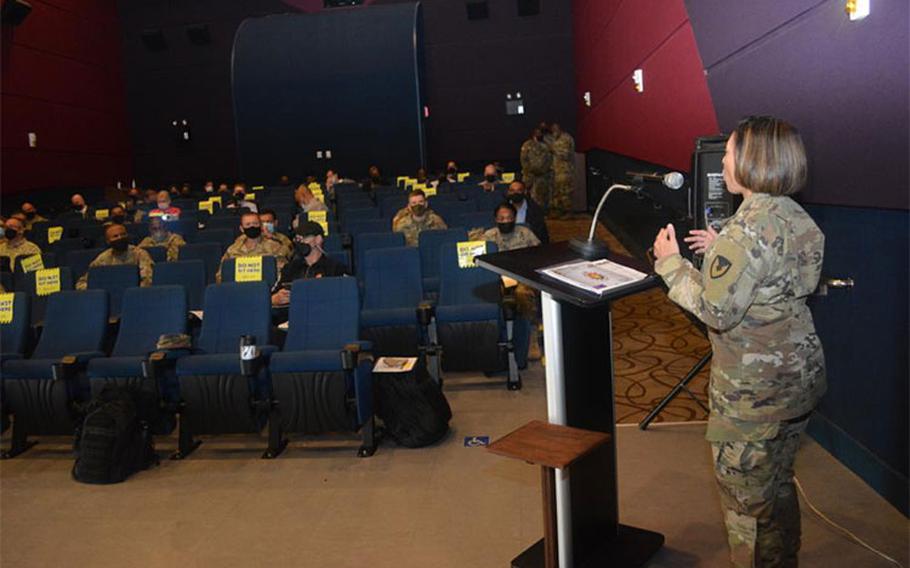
{"type": "Point", "coordinates": [563, 147]}
{"type": "Point", "coordinates": [536, 160]}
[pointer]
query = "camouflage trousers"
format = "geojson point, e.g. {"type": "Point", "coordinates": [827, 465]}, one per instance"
{"type": "Point", "coordinates": [541, 187]}
{"type": "Point", "coordinates": [561, 196]}
{"type": "Point", "coordinates": [758, 497]}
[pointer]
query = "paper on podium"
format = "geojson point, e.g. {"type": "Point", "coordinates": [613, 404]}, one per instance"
{"type": "Point", "coordinates": [597, 276]}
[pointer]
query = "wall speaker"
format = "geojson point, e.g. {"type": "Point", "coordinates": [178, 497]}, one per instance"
{"type": "Point", "coordinates": [710, 204]}
{"type": "Point", "coordinates": [14, 12]}
{"type": "Point", "coordinates": [528, 7]}
{"type": "Point", "coordinates": [198, 34]}
{"type": "Point", "coordinates": [477, 10]}
{"type": "Point", "coordinates": [154, 40]}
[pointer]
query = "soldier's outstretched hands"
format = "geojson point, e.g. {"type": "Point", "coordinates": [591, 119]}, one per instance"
{"type": "Point", "coordinates": [665, 244]}
{"type": "Point", "coordinates": [699, 240]}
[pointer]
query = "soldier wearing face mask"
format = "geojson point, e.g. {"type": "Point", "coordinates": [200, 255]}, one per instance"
{"type": "Point", "coordinates": [164, 208]}
{"type": "Point", "coordinates": [31, 215]}
{"type": "Point", "coordinates": [159, 236]}
{"type": "Point", "coordinates": [415, 218]}
{"type": "Point", "coordinates": [14, 244]}
{"type": "Point", "coordinates": [308, 261]}
{"type": "Point", "coordinates": [490, 178]}
{"type": "Point", "coordinates": [507, 234]}
{"type": "Point", "coordinates": [121, 252]}
{"type": "Point", "coordinates": [528, 212]}
{"type": "Point", "coordinates": [269, 221]}
{"type": "Point", "coordinates": [117, 215]}
{"type": "Point", "coordinates": [253, 242]}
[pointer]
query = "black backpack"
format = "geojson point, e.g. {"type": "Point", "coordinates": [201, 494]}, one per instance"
{"type": "Point", "coordinates": [412, 407]}
{"type": "Point", "coordinates": [113, 442]}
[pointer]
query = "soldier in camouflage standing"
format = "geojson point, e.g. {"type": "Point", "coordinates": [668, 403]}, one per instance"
{"type": "Point", "coordinates": [536, 162]}
{"type": "Point", "coordinates": [121, 252]}
{"type": "Point", "coordinates": [562, 145]}
{"type": "Point", "coordinates": [767, 372]}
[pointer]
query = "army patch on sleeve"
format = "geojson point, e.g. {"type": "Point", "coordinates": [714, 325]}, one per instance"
{"type": "Point", "coordinates": [720, 266]}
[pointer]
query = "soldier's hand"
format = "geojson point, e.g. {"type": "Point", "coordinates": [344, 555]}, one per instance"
{"type": "Point", "coordinates": [665, 244]}
{"type": "Point", "coordinates": [281, 297]}
{"type": "Point", "coordinates": [700, 240]}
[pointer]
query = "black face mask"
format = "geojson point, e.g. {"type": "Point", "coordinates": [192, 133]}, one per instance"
{"type": "Point", "coordinates": [10, 234]}
{"type": "Point", "coordinates": [302, 249]}
{"type": "Point", "coordinates": [120, 245]}
{"type": "Point", "coordinates": [490, 178]}
{"type": "Point", "coordinates": [517, 198]}
{"type": "Point", "coordinates": [252, 232]}
{"type": "Point", "coordinates": [418, 210]}
{"type": "Point", "coordinates": [77, 207]}
{"type": "Point", "coordinates": [452, 171]}
{"type": "Point", "coordinates": [30, 215]}
{"type": "Point", "coordinates": [120, 219]}
{"type": "Point", "coordinates": [506, 228]}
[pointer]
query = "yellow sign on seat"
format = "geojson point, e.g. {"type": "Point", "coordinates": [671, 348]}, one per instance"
{"type": "Point", "coordinates": [248, 269]}
{"type": "Point", "coordinates": [257, 187]}
{"type": "Point", "coordinates": [32, 263]}
{"type": "Point", "coordinates": [216, 200]}
{"type": "Point", "coordinates": [325, 227]}
{"type": "Point", "coordinates": [6, 307]}
{"type": "Point", "coordinates": [54, 234]}
{"type": "Point", "coordinates": [467, 250]}
{"type": "Point", "coordinates": [102, 214]}
{"type": "Point", "coordinates": [508, 177]}
{"type": "Point", "coordinates": [463, 176]}
{"type": "Point", "coordinates": [47, 281]}
{"type": "Point", "coordinates": [429, 191]}
{"type": "Point", "coordinates": [317, 216]}
{"type": "Point", "coordinates": [207, 205]}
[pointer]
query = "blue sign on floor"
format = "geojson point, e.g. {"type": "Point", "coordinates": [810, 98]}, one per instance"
{"type": "Point", "coordinates": [476, 441]}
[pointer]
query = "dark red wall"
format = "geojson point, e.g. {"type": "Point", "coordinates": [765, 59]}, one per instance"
{"type": "Point", "coordinates": [612, 39]}
{"type": "Point", "coordinates": [61, 78]}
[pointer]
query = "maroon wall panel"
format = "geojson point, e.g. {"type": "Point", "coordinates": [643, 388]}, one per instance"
{"type": "Point", "coordinates": [62, 79]}
{"type": "Point", "coordinates": [612, 39]}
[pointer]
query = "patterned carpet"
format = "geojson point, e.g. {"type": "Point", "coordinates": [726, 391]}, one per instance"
{"type": "Point", "coordinates": [654, 345]}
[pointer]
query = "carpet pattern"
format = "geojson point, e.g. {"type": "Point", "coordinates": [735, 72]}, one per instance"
{"type": "Point", "coordinates": [654, 345]}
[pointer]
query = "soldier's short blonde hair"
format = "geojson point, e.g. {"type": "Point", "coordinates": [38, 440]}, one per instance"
{"type": "Point", "coordinates": [769, 156]}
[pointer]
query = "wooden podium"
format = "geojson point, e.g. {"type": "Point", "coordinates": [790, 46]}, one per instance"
{"type": "Point", "coordinates": [578, 345]}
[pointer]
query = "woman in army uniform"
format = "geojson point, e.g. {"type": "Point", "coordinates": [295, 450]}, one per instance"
{"type": "Point", "coordinates": [767, 372]}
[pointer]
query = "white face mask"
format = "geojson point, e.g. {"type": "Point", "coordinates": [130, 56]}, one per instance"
{"type": "Point", "coordinates": [163, 205]}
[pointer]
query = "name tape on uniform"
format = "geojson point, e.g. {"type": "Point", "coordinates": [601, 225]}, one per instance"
{"type": "Point", "coordinates": [102, 214]}
{"type": "Point", "coordinates": [464, 176]}
{"type": "Point", "coordinates": [47, 281]}
{"type": "Point", "coordinates": [467, 250]}
{"type": "Point", "coordinates": [32, 263]}
{"type": "Point", "coordinates": [248, 269]}
{"type": "Point", "coordinates": [317, 216]}
{"type": "Point", "coordinates": [54, 234]}
{"type": "Point", "coordinates": [508, 177]}
{"type": "Point", "coordinates": [6, 307]}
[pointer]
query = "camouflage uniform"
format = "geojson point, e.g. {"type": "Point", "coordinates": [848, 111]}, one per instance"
{"type": "Point", "coordinates": [767, 372]}
{"type": "Point", "coordinates": [132, 255]}
{"type": "Point", "coordinates": [25, 248]}
{"type": "Point", "coordinates": [563, 148]}
{"type": "Point", "coordinates": [27, 224]}
{"type": "Point", "coordinates": [405, 223]}
{"type": "Point", "coordinates": [536, 173]}
{"type": "Point", "coordinates": [521, 237]}
{"type": "Point", "coordinates": [286, 244]}
{"type": "Point", "coordinates": [264, 247]}
{"type": "Point", "coordinates": [172, 243]}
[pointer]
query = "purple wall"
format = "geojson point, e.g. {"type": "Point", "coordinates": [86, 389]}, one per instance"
{"type": "Point", "coordinates": [843, 84]}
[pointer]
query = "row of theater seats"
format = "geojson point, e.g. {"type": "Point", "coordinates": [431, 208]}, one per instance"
{"type": "Point", "coordinates": [471, 328]}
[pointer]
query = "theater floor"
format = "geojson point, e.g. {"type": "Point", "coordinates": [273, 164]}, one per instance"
{"type": "Point", "coordinates": [441, 506]}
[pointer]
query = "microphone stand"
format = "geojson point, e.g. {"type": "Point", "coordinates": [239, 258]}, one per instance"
{"type": "Point", "coordinates": [591, 249]}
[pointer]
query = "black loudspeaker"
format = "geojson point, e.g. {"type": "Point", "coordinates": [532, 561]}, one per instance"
{"type": "Point", "coordinates": [477, 10]}
{"type": "Point", "coordinates": [710, 204]}
{"type": "Point", "coordinates": [198, 34]}
{"type": "Point", "coordinates": [528, 7]}
{"type": "Point", "coordinates": [154, 40]}
{"type": "Point", "coordinates": [14, 12]}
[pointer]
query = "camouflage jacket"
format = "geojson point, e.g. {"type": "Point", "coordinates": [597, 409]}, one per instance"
{"type": "Point", "coordinates": [264, 247]}
{"type": "Point", "coordinates": [536, 158]}
{"type": "Point", "coordinates": [768, 364]}
{"type": "Point", "coordinates": [25, 248]}
{"type": "Point", "coordinates": [405, 223]}
{"type": "Point", "coordinates": [521, 237]}
{"type": "Point", "coordinates": [563, 148]}
{"type": "Point", "coordinates": [133, 255]}
{"type": "Point", "coordinates": [172, 243]}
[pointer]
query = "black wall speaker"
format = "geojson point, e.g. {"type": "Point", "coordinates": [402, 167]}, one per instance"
{"type": "Point", "coordinates": [154, 40]}
{"type": "Point", "coordinates": [711, 203]}
{"type": "Point", "coordinates": [528, 7]}
{"type": "Point", "coordinates": [14, 12]}
{"type": "Point", "coordinates": [198, 34]}
{"type": "Point", "coordinates": [477, 10]}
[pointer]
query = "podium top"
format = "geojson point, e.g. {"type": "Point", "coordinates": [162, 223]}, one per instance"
{"type": "Point", "coordinates": [550, 445]}
{"type": "Point", "coordinates": [523, 264]}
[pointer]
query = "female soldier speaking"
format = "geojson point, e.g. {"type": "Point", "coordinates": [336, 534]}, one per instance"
{"type": "Point", "coordinates": [767, 371]}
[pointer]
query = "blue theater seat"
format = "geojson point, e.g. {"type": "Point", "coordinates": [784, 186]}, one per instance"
{"type": "Point", "coordinates": [430, 243]}
{"type": "Point", "coordinates": [114, 279]}
{"type": "Point", "coordinates": [269, 270]}
{"type": "Point", "coordinates": [366, 242]}
{"type": "Point", "coordinates": [39, 303]}
{"type": "Point", "coordinates": [207, 252]}
{"type": "Point", "coordinates": [190, 274]}
{"type": "Point", "coordinates": [14, 335]}
{"type": "Point", "coordinates": [323, 367]}
{"type": "Point", "coordinates": [393, 291]}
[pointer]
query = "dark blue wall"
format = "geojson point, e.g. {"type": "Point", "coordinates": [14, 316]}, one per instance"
{"type": "Point", "coordinates": [344, 80]}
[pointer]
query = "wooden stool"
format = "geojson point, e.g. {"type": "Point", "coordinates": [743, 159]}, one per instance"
{"type": "Point", "coordinates": [552, 447]}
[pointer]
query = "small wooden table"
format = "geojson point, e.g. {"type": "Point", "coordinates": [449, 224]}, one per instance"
{"type": "Point", "coordinates": [552, 447]}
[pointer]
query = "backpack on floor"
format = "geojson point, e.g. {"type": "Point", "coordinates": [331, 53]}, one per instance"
{"type": "Point", "coordinates": [113, 442]}
{"type": "Point", "coordinates": [412, 407]}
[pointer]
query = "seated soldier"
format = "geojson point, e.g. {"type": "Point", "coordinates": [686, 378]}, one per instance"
{"type": "Point", "coordinates": [308, 261]}
{"type": "Point", "coordinates": [253, 243]}
{"type": "Point", "coordinates": [164, 209]}
{"type": "Point", "coordinates": [269, 221]}
{"type": "Point", "coordinates": [529, 212]}
{"type": "Point", "coordinates": [31, 215]}
{"type": "Point", "coordinates": [80, 208]}
{"type": "Point", "coordinates": [120, 252]}
{"type": "Point", "coordinates": [117, 215]}
{"type": "Point", "coordinates": [14, 244]}
{"type": "Point", "coordinates": [415, 218]}
{"type": "Point", "coordinates": [159, 236]}
{"type": "Point", "coordinates": [490, 178]}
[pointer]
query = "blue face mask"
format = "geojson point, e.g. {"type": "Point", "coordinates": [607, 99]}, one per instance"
{"type": "Point", "coordinates": [268, 228]}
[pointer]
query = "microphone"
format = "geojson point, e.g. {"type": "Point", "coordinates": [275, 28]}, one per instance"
{"type": "Point", "coordinates": [673, 180]}
{"type": "Point", "coordinates": [589, 248]}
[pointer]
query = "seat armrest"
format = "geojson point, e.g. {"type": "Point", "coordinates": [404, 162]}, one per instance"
{"type": "Point", "coordinates": [426, 311]}
{"type": "Point", "coordinates": [81, 358]}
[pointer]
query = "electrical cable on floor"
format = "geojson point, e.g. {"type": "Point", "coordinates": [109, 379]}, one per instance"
{"type": "Point", "coordinates": [841, 529]}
